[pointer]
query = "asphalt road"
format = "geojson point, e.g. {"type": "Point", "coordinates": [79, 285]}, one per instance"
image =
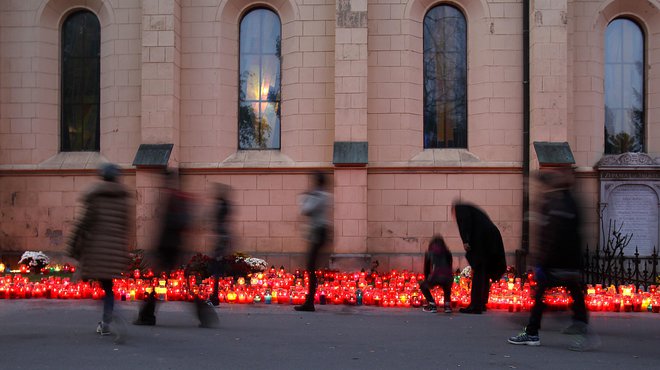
{"type": "Point", "coordinates": [58, 334]}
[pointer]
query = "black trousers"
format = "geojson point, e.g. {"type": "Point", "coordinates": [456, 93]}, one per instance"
{"type": "Point", "coordinates": [573, 286]}
{"type": "Point", "coordinates": [426, 285]}
{"type": "Point", "coordinates": [218, 268]}
{"type": "Point", "coordinates": [315, 246]}
{"type": "Point", "coordinates": [480, 289]}
{"type": "Point", "coordinates": [108, 300]}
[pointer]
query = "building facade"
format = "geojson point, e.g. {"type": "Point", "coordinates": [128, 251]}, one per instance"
{"type": "Point", "coordinates": [408, 105]}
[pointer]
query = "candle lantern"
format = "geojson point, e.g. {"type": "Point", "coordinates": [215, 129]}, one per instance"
{"type": "Point", "coordinates": [655, 306]}
{"type": "Point", "coordinates": [627, 305]}
{"type": "Point", "coordinates": [591, 290]}
{"type": "Point", "coordinates": [646, 303]}
{"type": "Point", "coordinates": [616, 303]}
{"type": "Point", "coordinates": [282, 296]}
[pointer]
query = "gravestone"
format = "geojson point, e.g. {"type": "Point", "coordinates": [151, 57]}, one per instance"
{"type": "Point", "coordinates": [630, 197]}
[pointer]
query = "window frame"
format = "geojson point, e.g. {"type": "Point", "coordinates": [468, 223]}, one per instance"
{"type": "Point", "coordinates": [65, 144]}
{"type": "Point", "coordinates": [464, 52]}
{"type": "Point", "coordinates": [644, 75]}
{"type": "Point", "coordinates": [260, 101]}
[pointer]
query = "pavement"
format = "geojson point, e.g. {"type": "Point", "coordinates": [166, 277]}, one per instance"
{"type": "Point", "coordinates": [60, 334]}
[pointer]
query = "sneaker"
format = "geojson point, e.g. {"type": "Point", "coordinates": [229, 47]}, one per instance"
{"type": "Point", "coordinates": [103, 328]}
{"type": "Point", "coordinates": [575, 328]}
{"type": "Point", "coordinates": [430, 308]}
{"type": "Point", "coordinates": [526, 339]}
{"type": "Point", "coordinates": [447, 308]}
{"type": "Point", "coordinates": [145, 321]}
{"type": "Point", "coordinates": [304, 307]}
{"type": "Point", "coordinates": [470, 309]}
{"type": "Point", "coordinates": [584, 342]}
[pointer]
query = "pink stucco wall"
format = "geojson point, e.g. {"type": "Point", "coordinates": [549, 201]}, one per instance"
{"type": "Point", "coordinates": [169, 74]}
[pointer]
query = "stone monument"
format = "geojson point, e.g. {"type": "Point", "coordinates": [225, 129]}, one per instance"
{"type": "Point", "coordinates": [630, 197]}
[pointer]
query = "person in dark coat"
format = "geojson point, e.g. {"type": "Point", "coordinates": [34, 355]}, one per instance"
{"type": "Point", "coordinates": [559, 256]}
{"type": "Point", "coordinates": [484, 251]}
{"type": "Point", "coordinates": [100, 238]}
{"type": "Point", "coordinates": [437, 272]}
{"type": "Point", "coordinates": [222, 210]}
{"type": "Point", "coordinates": [169, 248]}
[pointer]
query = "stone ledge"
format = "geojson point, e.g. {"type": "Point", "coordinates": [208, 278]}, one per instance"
{"type": "Point", "coordinates": [350, 261]}
{"type": "Point", "coordinates": [255, 159]}
{"type": "Point", "coordinates": [445, 158]}
{"type": "Point", "coordinates": [63, 161]}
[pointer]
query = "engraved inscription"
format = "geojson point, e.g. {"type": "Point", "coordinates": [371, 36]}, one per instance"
{"type": "Point", "coordinates": [635, 206]}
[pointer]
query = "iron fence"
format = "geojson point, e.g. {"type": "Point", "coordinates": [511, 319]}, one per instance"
{"type": "Point", "coordinates": [611, 268]}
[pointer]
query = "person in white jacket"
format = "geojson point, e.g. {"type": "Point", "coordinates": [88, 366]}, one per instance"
{"type": "Point", "coordinates": [315, 206]}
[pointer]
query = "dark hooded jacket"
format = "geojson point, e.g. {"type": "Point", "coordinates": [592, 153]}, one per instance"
{"type": "Point", "coordinates": [177, 220]}
{"type": "Point", "coordinates": [559, 231]}
{"type": "Point", "coordinates": [100, 238]}
{"type": "Point", "coordinates": [486, 246]}
{"type": "Point", "coordinates": [438, 262]}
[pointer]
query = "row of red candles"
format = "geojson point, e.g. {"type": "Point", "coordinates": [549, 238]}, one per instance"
{"type": "Point", "coordinates": [394, 289]}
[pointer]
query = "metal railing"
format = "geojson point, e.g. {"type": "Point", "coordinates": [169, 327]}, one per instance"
{"type": "Point", "coordinates": [611, 268]}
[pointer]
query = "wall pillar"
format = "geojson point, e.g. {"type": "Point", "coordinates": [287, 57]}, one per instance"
{"type": "Point", "coordinates": [160, 118]}
{"type": "Point", "coordinates": [549, 94]}
{"type": "Point", "coordinates": [350, 149]}
{"type": "Point", "coordinates": [548, 73]}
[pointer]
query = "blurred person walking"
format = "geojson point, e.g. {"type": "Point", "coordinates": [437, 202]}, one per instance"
{"type": "Point", "coordinates": [484, 251]}
{"type": "Point", "coordinates": [437, 272]}
{"type": "Point", "coordinates": [315, 206]}
{"type": "Point", "coordinates": [177, 219]}
{"type": "Point", "coordinates": [559, 257]}
{"type": "Point", "coordinates": [223, 211]}
{"type": "Point", "coordinates": [100, 238]}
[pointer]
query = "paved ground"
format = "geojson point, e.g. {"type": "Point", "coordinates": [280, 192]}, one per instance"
{"type": "Point", "coordinates": [56, 334]}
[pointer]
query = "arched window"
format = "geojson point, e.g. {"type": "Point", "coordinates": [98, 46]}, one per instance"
{"type": "Point", "coordinates": [259, 81]}
{"type": "Point", "coordinates": [624, 87]}
{"type": "Point", "coordinates": [445, 78]}
{"type": "Point", "coordinates": [80, 84]}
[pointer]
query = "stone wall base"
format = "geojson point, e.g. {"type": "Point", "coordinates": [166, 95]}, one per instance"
{"type": "Point", "coordinates": [350, 261]}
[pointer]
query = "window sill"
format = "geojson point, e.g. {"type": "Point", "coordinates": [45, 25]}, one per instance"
{"type": "Point", "coordinates": [62, 161]}
{"type": "Point", "coordinates": [445, 158]}
{"type": "Point", "coordinates": [249, 159]}
{"type": "Point", "coordinates": [73, 160]}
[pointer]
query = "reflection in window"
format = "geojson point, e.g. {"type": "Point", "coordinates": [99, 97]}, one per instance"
{"type": "Point", "coordinates": [624, 87]}
{"type": "Point", "coordinates": [81, 44]}
{"type": "Point", "coordinates": [445, 78]}
{"type": "Point", "coordinates": [259, 85]}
